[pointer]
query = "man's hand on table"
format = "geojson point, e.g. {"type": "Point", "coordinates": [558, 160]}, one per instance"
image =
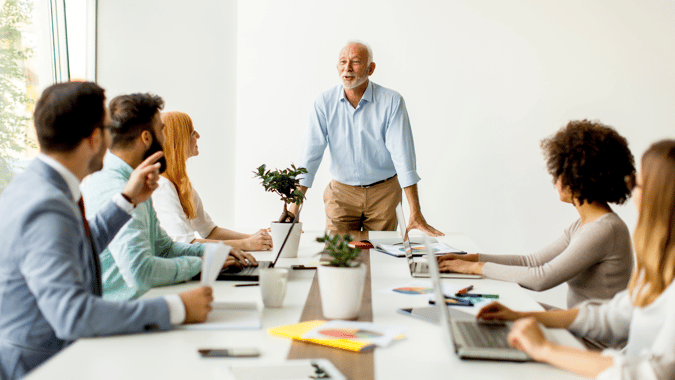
{"type": "Point", "coordinates": [417, 222]}
{"type": "Point", "coordinates": [197, 304]}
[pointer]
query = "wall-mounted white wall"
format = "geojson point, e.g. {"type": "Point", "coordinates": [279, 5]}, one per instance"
{"type": "Point", "coordinates": [484, 82]}
{"type": "Point", "coordinates": [184, 52]}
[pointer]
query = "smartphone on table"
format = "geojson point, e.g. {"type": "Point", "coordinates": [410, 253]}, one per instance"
{"type": "Point", "coordinates": [251, 352]}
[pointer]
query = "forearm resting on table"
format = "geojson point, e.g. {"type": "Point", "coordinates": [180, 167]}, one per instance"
{"type": "Point", "coordinates": [225, 236]}
{"type": "Point", "coordinates": [220, 233]}
{"type": "Point", "coordinates": [585, 363]}
{"type": "Point", "coordinates": [238, 244]}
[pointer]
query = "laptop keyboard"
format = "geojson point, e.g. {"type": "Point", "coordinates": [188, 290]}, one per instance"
{"type": "Point", "coordinates": [484, 335]}
{"type": "Point", "coordinates": [247, 270]}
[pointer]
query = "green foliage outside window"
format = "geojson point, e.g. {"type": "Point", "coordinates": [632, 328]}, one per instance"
{"type": "Point", "coordinates": [15, 103]}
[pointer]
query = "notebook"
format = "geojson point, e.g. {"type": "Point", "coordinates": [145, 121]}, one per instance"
{"type": "Point", "coordinates": [252, 273]}
{"type": "Point", "coordinates": [297, 330]}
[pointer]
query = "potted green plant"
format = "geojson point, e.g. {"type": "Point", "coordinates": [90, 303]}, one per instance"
{"type": "Point", "coordinates": [285, 184]}
{"type": "Point", "coordinates": [341, 281]}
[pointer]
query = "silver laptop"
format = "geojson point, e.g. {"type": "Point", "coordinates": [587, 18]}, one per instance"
{"type": "Point", "coordinates": [471, 339]}
{"type": "Point", "coordinates": [419, 269]}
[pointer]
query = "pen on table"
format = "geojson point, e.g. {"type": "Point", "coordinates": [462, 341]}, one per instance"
{"type": "Point", "coordinates": [477, 295]}
{"type": "Point", "coordinates": [465, 290]}
{"type": "Point", "coordinates": [251, 284]}
{"type": "Point", "coordinates": [451, 301]}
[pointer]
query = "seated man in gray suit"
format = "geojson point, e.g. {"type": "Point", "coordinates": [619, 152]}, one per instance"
{"type": "Point", "coordinates": [50, 281]}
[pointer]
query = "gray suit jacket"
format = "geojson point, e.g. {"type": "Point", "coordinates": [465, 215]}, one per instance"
{"type": "Point", "coordinates": [47, 274]}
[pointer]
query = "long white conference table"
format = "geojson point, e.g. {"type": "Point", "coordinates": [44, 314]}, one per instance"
{"type": "Point", "coordinates": [423, 353]}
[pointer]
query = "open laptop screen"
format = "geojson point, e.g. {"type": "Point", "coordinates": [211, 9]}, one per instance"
{"type": "Point", "coordinates": [402, 227]}
{"type": "Point", "coordinates": [439, 297]}
{"type": "Point", "coordinates": [290, 229]}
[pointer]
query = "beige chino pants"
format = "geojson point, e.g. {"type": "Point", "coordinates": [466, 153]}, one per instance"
{"type": "Point", "coordinates": [352, 208]}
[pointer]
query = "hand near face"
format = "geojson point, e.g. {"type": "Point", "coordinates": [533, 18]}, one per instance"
{"type": "Point", "coordinates": [143, 180]}
{"type": "Point", "coordinates": [526, 336]}
{"type": "Point", "coordinates": [197, 304]}
{"type": "Point", "coordinates": [259, 241]}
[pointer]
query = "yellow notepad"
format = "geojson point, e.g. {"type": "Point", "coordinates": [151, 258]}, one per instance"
{"type": "Point", "coordinates": [296, 331]}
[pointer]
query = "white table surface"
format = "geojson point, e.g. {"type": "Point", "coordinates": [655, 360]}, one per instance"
{"type": "Point", "coordinates": [424, 353]}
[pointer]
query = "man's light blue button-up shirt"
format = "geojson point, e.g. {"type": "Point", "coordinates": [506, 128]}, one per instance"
{"type": "Point", "coordinates": [369, 143]}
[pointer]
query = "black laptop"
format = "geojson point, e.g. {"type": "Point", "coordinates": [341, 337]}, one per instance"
{"type": "Point", "coordinates": [251, 273]}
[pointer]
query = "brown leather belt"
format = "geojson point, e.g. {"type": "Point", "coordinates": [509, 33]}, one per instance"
{"type": "Point", "coordinates": [377, 183]}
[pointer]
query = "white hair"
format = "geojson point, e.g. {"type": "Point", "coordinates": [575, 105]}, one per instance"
{"type": "Point", "coordinates": [370, 51]}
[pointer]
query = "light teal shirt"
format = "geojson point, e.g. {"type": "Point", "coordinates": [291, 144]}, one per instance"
{"type": "Point", "coordinates": [142, 255]}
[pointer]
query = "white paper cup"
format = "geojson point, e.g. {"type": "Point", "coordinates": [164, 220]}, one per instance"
{"type": "Point", "coordinates": [273, 283]}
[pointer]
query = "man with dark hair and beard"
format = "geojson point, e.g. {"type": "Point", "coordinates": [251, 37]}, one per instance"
{"type": "Point", "coordinates": [50, 277]}
{"type": "Point", "coordinates": [142, 255]}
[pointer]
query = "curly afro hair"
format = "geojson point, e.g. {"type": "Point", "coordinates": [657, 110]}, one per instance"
{"type": "Point", "coordinates": [593, 160]}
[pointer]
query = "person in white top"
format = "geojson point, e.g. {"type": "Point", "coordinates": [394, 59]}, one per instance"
{"type": "Point", "coordinates": [179, 209]}
{"type": "Point", "coordinates": [642, 316]}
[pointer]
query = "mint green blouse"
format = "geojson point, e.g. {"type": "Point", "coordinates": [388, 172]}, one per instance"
{"type": "Point", "coordinates": [142, 255]}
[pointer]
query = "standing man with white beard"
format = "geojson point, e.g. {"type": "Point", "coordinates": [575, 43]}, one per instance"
{"type": "Point", "coordinates": [367, 129]}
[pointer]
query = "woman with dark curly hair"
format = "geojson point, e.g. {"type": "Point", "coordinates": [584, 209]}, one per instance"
{"type": "Point", "coordinates": [591, 166]}
{"type": "Point", "coordinates": [640, 319]}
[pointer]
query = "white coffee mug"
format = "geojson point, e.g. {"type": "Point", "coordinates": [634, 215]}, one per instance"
{"type": "Point", "coordinates": [273, 283]}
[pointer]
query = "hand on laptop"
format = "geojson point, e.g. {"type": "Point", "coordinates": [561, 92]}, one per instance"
{"type": "Point", "coordinates": [233, 263]}
{"type": "Point", "coordinates": [197, 304]}
{"type": "Point", "coordinates": [526, 335]}
{"type": "Point", "coordinates": [461, 266]}
{"type": "Point", "coordinates": [473, 257]}
{"type": "Point", "coordinates": [244, 258]}
{"type": "Point", "coordinates": [498, 312]}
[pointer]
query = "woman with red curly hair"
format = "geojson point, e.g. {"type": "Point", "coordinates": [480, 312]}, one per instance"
{"type": "Point", "coordinates": [591, 167]}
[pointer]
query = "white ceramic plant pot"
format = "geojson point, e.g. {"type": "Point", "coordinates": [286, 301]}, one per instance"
{"type": "Point", "coordinates": [341, 291]}
{"type": "Point", "coordinates": [279, 231]}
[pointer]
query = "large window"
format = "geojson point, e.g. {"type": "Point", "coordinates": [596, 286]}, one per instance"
{"type": "Point", "coordinates": [37, 50]}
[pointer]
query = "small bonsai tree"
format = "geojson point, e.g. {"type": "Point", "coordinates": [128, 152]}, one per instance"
{"type": "Point", "coordinates": [284, 183]}
{"type": "Point", "coordinates": [338, 248]}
